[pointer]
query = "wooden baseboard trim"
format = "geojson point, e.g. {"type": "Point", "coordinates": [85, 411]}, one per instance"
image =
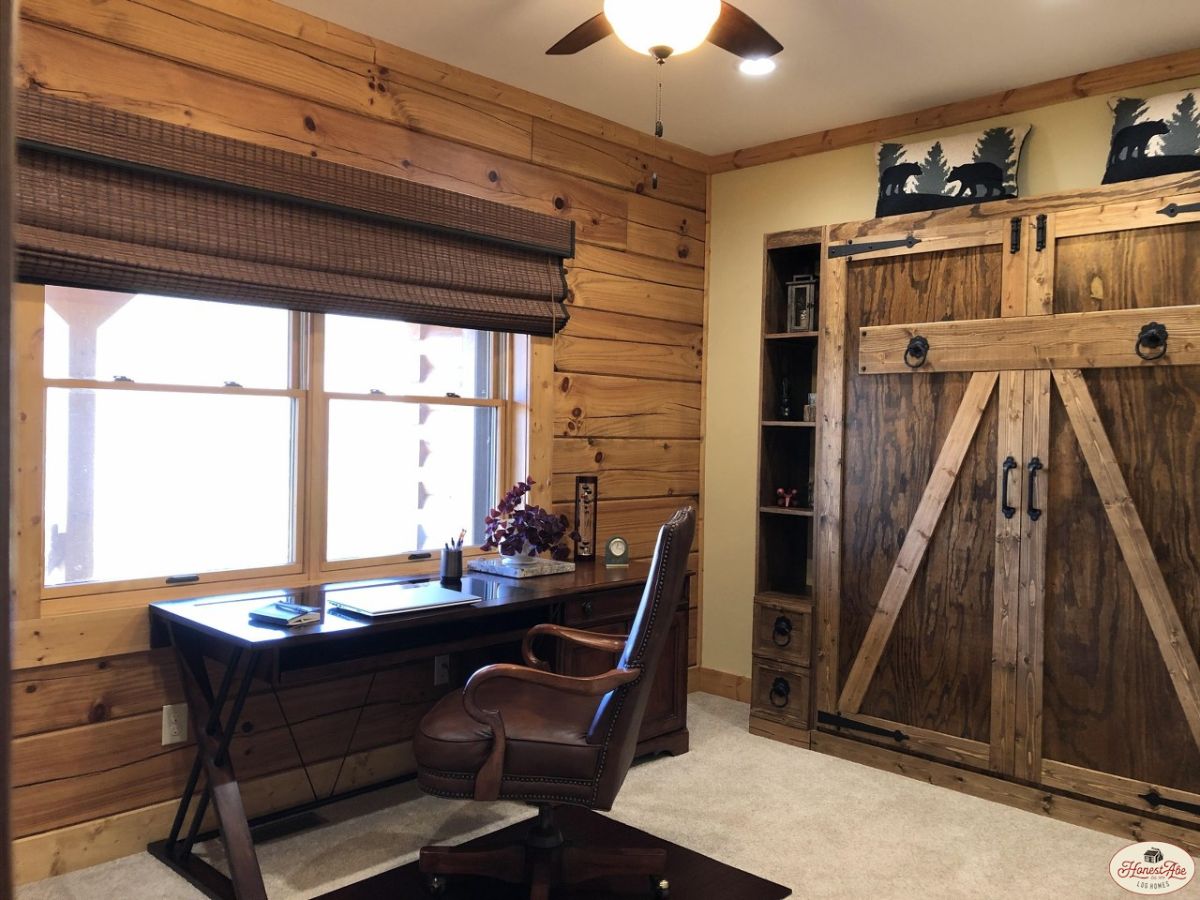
{"type": "Point", "coordinates": [797, 737]}
{"type": "Point", "coordinates": [86, 844]}
{"type": "Point", "coordinates": [721, 684]}
{"type": "Point", "coordinates": [1124, 824]}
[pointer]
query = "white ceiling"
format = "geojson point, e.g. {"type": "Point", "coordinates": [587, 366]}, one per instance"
{"type": "Point", "coordinates": [844, 61]}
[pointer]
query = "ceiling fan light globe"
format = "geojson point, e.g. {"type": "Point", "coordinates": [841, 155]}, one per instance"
{"type": "Point", "coordinates": [681, 25]}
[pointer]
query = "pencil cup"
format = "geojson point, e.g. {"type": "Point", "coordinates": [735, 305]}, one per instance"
{"type": "Point", "coordinates": [452, 565]}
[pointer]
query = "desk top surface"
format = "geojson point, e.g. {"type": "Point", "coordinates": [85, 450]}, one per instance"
{"type": "Point", "coordinates": [227, 617]}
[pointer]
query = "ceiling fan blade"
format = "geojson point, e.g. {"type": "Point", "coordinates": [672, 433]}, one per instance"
{"type": "Point", "coordinates": [594, 29]}
{"type": "Point", "coordinates": [741, 35]}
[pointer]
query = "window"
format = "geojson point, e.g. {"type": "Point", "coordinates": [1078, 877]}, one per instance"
{"type": "Point", "coordinates": [412, 434]}
{"type": "Point", "coordinates": [189, 441]}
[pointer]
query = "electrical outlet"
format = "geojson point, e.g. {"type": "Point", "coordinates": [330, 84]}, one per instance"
{"type": "Point", "coordinates": [174, 723]}
{"type": "Point", "coordinates": [441, 669]}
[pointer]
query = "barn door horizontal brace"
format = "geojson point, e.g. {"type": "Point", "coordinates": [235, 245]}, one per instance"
{"type": "Point", "coordinates": [1171, 210]}
{"type": "Point", "coordinates": [852, 249]}
{"type": "Point", "coordinates": [1155, 800]}
{"type": "Point", "coordinates": [828, 718]}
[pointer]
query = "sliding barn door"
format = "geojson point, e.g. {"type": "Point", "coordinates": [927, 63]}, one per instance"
{"type": "Point", "coordinates": [924, 580]}
{"type": "Point", "coordinates": [1120, 621]}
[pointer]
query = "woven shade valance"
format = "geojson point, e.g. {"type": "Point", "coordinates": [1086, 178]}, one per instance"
{"type": "Point", "coordinates": [113, 201]}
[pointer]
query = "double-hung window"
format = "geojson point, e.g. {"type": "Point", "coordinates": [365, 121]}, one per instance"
{"type": "Point", "coordinates": [186, 441]}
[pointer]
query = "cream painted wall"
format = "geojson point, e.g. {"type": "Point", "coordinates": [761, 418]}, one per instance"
{"type": "Point", "coordinates": [1065, 151]}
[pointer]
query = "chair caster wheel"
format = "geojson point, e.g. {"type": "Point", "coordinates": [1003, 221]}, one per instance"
{"type": "Point", "coordinates": [436, 885]}
{"type": "Point", "coordinates": [661, 888]}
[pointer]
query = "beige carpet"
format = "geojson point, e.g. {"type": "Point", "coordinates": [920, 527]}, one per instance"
{"type": "Point", "coordinates": [823, 826]}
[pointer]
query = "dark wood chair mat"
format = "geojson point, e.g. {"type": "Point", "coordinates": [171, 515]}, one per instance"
{"type": "Point", "coordinates": [692, 875]}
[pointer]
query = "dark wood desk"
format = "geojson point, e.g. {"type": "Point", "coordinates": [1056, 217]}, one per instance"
{"type": "Point", "coordinates": [218, 629]}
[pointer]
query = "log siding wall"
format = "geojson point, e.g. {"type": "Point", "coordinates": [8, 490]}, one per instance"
{"type": "Point", "coordinates": [91, 781]}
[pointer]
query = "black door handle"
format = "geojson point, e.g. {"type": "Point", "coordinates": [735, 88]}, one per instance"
{"type": "Point", "coordinates": [1151, 342]}
{"type": "Point", "coordinates": [1009, 511]}
{"type": "Point", "coordinates": [1035, 466]}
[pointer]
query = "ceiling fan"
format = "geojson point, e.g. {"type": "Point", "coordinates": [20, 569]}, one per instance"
{"type": "Point", "coordinates": [661, 28]}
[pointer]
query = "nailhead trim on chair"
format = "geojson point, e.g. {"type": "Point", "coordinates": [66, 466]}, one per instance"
{"type": "Point", "coordinates": [660, 586]}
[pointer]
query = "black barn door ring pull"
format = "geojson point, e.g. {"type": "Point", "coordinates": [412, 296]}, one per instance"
{"type": "Point", "coordinates": [1009, 511]}
{"type": "Point", "coordinates": [1151, 342]}
{"type": "Point", "coordinates": [1035, 466]}
{"type": "Point", "coordinates": [917, 353]}
{"type": "Point", "coordinates": [780, 688]}
{"type": "Point", "coordinates": [783, 629]}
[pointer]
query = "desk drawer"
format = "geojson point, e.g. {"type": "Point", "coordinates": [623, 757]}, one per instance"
{"type": "Point", "coordinates": [783, 630]}
{"type": "Point", "coordinates": [780, 692]}
{"type": "Point", "coordinates": [602, 606]}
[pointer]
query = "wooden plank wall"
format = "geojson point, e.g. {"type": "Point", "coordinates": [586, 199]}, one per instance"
{"type": "Point", "coordinates": [7, 46]}
{"type": "Point", "coordinates": [91, 779]}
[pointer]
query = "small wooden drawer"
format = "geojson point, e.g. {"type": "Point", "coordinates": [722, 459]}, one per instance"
{"type": "Point", "coordinates": [780, 692]}
{"type": "Point", "coordinates": [602, 606]}
{"type": "Point", "coordinates": [783, 630]}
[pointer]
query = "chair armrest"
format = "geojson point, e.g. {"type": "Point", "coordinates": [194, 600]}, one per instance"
{"type": "Point", "coordinates": [611, 642]}
{"type": "Point", "coordinates": [490, 774]}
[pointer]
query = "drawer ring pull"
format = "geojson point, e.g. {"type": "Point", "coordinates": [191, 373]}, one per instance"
{"type": "Point", "coordinates": [782, 629]}
{"type": "Point", "coordinates": [780, 688]}
{"type": "Point", "coordinates": [587, 608]}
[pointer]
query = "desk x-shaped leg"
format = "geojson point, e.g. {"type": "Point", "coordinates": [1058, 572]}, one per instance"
{"type": "Point", "coordinates": [221, 788]}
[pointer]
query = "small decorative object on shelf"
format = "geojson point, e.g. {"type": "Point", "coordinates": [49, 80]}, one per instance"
{"type": "Point", "coordinates": [586, 495]}
{"type": "Point", "coordinates": [786, 499]}
{"type": "Point", "coordinates": [802, 303]}
{"type": "Point", "coordinates": [520, 531]}
{"type": "Point", "coordinates": [616, 552]}
{"type": "Point", "coordinates": [785, 399]}
{"type": "Point", "coordinates": [809, 413]}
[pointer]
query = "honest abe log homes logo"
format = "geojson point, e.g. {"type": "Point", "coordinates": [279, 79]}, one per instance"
{"type": "Point", "coordinates": [1151, 868]}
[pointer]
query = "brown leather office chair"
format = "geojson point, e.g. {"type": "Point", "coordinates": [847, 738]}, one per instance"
{"type": "Point", "coordinates": [524, 733]}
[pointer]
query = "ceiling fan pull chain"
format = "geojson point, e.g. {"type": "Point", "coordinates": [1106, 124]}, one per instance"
{"type": "Point", "coordinates": [658, 125]}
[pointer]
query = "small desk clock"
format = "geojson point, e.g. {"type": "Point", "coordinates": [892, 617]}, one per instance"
{"type": "Point", "coordinates": [616, 552]}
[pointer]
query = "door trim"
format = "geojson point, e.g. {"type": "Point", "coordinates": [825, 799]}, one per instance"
{"type": "Point", "coordinates": [1089, 340]}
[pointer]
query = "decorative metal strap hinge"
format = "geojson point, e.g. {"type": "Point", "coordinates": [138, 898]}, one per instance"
{"type": "Point", "coordinates": [1015, 226]}
{"type": "Point", "coordinates": [1041, 232]}
{"type": "Point", "coordinates": [1171, 210]}
{"type": "Point", "coordinates": [1155, 799]}
{"type": "Point", "coordinates": [828, 718]}
{"type": "Point", "coordinates": [852, 249]}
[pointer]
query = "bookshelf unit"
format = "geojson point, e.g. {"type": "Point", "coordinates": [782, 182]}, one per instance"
{"type": "Point", "coordinates": [781, 689]}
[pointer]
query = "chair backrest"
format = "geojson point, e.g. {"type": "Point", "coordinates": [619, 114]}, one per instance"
{"type": "Point", "coordinates": [619, 717]}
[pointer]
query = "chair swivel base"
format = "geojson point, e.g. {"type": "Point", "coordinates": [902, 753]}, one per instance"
{"type": "Point", "coordinates": [544, 862]}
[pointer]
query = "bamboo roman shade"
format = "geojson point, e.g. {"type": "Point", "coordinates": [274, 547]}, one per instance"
{"type": "Point", "coordinates": [113, 201]}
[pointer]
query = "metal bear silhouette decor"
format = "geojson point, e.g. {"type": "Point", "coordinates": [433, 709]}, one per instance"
{"type": "Point", "coordinates": [1155, 136]}
{"type": "Point", "coordinates": [951, 171]}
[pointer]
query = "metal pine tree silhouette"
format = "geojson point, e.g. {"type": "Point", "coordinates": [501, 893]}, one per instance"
{"type": "Point", "coordinates": [934, 172]}
{"type": "Point", "coordinates": [890, 154]}
{"type": "Point", "coordinates": [1127, 112]}
{"type": "Point", "coordinates": [1184, 137]}
{"type": "Point", "coordinates": [997, 146]}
